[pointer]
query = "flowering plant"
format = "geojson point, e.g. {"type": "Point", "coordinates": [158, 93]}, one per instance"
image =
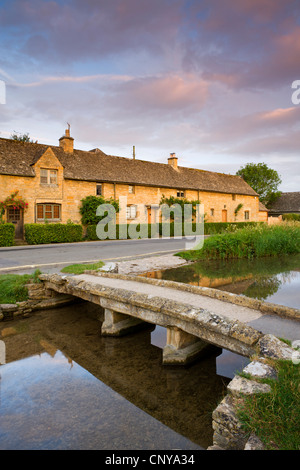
{"type": "Point", "coordinates": [15, 201]}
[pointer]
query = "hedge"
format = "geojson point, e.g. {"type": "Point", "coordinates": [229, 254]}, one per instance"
{"type": "Point", "coordinates": [291, 216]}
{"type": "Point", "coordinates": [168, 229]}
{"type": "Point", "coordinates": [36, 234]}
{"type": "Point", "coordinates": [7, 234]}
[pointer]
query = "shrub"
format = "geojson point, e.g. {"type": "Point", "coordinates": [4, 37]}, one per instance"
{"type": "Point", "coordinates": [36, 234]}
{"type": "Point", "coordinates": [91, 233]}
{"type": "Point", "coordinates": [89, 207]}
{"type": "Point", "coordinates": [291, 217]}
{"type": "Point", "coordinates": [7, 234]}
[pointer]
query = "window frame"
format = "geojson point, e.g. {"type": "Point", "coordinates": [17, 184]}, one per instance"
{"type": "Point", "coordinates": [129, 209]}
{"type": "Point", "coordinates": [180, 193]}
{"type": "Point", "coordinates": [52, 205]}
{"type": "Point", "coordinates": [246, 215]}
{"type": "Point", "coordinates": [48, 176]}
{"type": "Point", "coordinates": [99, 186]}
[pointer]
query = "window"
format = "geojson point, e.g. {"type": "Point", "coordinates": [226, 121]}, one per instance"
{"type": "Point", "coordinates": [246, 215]}
{"type": "Point", "coordinates": [131, 212]}
{"type": "Point", "coordinates": [180, 193]}
{"type": "Point", "coordinates": [48, 176]}
{"type": "Point", "coordinates": [233, 197]}
{"type": "Point", "coordinates": [99, 189]}
{"type": "Point", "coordinates": [14, 214]}
{"type": "Point", "coordinates": [212, 212]}
{"type": "Point", "coordinates": [131, 189]}
{"type": "Point", "coordinates": [51, 212]}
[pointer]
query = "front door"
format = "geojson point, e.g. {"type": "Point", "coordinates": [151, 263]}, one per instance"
{"type": "Point", "coordinates": [224, 215]}
{"type": "Point", "coordinates": [15, 216]}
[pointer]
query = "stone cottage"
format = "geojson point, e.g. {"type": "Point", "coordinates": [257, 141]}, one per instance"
{"type": "Point", "coordinates": [54, 179]}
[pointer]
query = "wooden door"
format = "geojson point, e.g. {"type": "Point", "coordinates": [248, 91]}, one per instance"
{"type": "Point", "coordinates": [224, 215]}
{"type": "Point", "coordinates": [15, 216]}
{"type": "Point", "coordinates": [149, 214]}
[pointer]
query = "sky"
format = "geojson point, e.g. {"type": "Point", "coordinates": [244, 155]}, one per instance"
{"type": "Point", "coordinates": [209, 80]}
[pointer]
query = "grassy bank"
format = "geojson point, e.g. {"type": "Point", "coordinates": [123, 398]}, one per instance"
{"type": "Point", "coordinates": [251, 242]}
{"type": "Point", "coordinates": [12, 287]}
{"type": "Point", "coordinates": [274, 417]}
{"type": "Point", "coordinates": [80, 268]}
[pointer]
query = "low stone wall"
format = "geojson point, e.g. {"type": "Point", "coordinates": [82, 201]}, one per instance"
{"type": "Point", "coordinates": [39, 298]}
{"type": "Point", "coordinates": [228, 431]}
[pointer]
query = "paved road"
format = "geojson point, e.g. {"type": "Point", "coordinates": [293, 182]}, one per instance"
{"type": "Point", "coordinates": [51, 258]}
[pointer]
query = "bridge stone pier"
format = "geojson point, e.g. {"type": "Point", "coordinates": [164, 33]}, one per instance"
{"type": "Point", "coordinates": [192, 332]}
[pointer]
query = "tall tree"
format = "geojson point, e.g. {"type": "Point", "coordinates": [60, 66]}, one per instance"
{"type": "Point", "coordinates": [21, 137]}
{"type": "Point", "coordinates": [263, 180]}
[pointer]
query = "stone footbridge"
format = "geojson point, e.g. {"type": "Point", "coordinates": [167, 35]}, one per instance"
{"type": "Point", "coordinates": [198, 320]}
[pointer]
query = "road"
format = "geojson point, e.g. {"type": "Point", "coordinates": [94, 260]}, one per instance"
{"type": "Point", "coordinates": [51, 258]}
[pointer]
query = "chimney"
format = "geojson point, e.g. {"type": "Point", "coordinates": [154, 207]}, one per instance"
{"type": "Point", "coordinates": [172, 160]}
{"type": "Point", "coordinates": [66, 142]}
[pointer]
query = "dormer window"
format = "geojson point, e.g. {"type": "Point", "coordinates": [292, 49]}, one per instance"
{"type": "Point", "coordinates": [48, 176]}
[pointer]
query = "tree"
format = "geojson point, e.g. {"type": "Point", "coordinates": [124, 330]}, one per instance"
{"type": "Point", "coordinates": [263, 180]}
{"type": "Point", "coordinates": [21, 137]}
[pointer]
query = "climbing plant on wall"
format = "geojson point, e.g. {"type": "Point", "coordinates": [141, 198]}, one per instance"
{"type": "Point", "coordinates": [15, 201]}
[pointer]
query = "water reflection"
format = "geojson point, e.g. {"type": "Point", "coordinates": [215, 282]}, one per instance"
{"type": "Point", "coordinates": [82, 391]}
{"type": "Point", "coordinates": [274, 280]}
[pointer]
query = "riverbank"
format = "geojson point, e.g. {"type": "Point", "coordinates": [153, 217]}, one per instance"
{"type": "Point", "coordinates": [250, 242]}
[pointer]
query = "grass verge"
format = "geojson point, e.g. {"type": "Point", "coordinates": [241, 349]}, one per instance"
{"type": "Point", "coordinates": [275, 417]}
{"type": "Point", "coordinates": [12, 286]}
{"type": "Point", "coordinates": [80, 268]}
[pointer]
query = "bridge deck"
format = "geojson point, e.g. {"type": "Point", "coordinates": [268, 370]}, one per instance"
{"type": "Point", "coordinates": [266, 323]}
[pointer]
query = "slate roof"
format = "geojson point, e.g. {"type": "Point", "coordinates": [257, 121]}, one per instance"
{"type": "Point", "coordinates": [17, 158]}
{"type": "Point", "coordinates": [287, 202]}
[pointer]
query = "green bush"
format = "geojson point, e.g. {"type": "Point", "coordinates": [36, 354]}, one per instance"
{"type": "Point", "coordinates": [291, 216]}
{"type": "Point", "coordinates": [7, 234]}
{"type": "Point", "coordinates": [211, 228]}
{"type": "Point", "coordinates": [91, 233]}
{"type": "Point", "coordinates": [166, 229]}
{"type": "Point", "coordinates": [36, 234]}
{"type": "Point", "coordinates": [89, 206]}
